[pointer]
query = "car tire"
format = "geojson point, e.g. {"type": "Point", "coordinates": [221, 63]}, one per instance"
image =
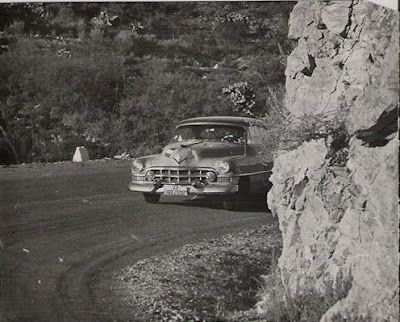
{"type": "Point", "coordinates": [244, 187]}
{"type": "Point", "coordinates": [151, 197]}
{"type": "Point", "coordinates": [234, 202]}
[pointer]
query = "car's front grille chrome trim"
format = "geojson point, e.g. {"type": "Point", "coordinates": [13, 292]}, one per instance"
{"type": "Point", "coordinates": [181, 175]}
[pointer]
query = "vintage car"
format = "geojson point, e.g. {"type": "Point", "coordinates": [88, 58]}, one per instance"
{"type": "Point", "coordinates": [210, 156]}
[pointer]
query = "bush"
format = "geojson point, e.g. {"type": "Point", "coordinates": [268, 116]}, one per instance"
{"type": "Point", "coordinates": [285, 132]}
{"type": "Point", "coordinates": [243, 98]}
{"type": "Point", "coordinates": [310, 305]}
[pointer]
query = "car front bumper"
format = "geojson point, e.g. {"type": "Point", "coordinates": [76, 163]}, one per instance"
{"type": "Point", "coordinates": [208, 189]}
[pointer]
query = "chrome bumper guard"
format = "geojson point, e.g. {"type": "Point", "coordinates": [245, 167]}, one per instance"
{"type": "Point", "coordinates": [209, 189]}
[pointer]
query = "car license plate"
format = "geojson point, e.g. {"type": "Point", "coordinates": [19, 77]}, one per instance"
{"type": "Point", "coordinates": [175, 190]}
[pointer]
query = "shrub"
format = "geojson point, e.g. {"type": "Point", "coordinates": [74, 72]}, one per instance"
{"type": "Point", "coordinates": [285, 132]}
{"type": "Point", "coordinates": [243, 98]}
{"type": "Point", "coordinates": [309, 305]}
{"type": "Point", "coordinates": [276, 119]}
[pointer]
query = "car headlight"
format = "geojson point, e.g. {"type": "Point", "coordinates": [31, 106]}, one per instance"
{"type": "Point", "coordinates": [137, 166]}
{"type": "Point", "coordinates": [223, 166]}
{"type": "Point", "coordinates": [150, 175]}
{"type": "Point", "coordinates": [211, 176]}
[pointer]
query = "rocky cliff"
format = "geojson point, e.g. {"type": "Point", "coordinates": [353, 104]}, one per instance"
{"type": "Point", "coordinates": [336, 195]}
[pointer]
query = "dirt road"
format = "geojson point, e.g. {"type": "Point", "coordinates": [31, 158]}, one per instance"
{"type": "Point", "coordinates": [67, 228]}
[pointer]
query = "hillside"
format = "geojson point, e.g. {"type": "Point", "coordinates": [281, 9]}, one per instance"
{"type": "Point", "coordinates": [117, 77]}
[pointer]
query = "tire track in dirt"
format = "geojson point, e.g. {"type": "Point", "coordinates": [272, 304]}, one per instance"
{"type": "Point", "coordinates": [82, 281]}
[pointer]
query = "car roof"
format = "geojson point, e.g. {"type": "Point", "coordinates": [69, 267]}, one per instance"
{"type": "Point", "coordinates": [231, 120]}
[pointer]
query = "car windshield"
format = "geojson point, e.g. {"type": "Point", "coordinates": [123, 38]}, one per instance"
{"type": "Point", "coordinates": [211, 132]}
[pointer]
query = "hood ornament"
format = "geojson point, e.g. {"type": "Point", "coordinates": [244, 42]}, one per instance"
{"type": "Point", "coordinates": [180, 155]}
{"type": "Point", "coordinates": [179, 158]}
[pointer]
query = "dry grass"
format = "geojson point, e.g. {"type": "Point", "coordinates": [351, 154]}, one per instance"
{"type": "Point", "coordinates": [222, 280]}
{"type": "Point", "coordinates": [215, 280]}
{"type": "Point", "coordinates": [309, 305]}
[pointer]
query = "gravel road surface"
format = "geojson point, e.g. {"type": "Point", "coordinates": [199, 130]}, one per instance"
{"type": "Point", "coordinates": [67, 228]}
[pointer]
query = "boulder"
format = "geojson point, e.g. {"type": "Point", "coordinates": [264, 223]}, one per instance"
{"type": "Point", "coordinates": [81, 154]}
{"type": "Point", "coordinates": [122, 156]}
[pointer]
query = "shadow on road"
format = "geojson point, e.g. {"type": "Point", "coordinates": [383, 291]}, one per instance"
{"type": "Point", "coordinates": [253, 205]}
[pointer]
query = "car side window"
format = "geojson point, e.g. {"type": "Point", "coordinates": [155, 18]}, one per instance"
{"type": "Point", "coordinates": [256, 136]}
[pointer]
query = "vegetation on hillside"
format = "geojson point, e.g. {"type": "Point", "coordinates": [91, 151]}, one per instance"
{"type": "Point", "coordinates": [214, 280]}
{"type": "Point", "coordinates": [117, 77]}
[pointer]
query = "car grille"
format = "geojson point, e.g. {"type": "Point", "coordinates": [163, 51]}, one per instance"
{"type": "Point", "coordinates": [180, 176]}
{"type": "Point", "coordinates": [224, 179]}
{"type": "Point", "coordinates": [138, 178]}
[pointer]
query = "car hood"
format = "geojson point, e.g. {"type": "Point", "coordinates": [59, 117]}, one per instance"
{"type": "Point", "coordinates": [205, 149]}
{"type": "Point", "coordinates": [194, 154]}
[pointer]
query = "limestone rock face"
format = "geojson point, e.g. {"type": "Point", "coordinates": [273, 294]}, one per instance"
{"type": "Point", "coordinates": [343, 63]}
{"type": "Point", "coordinates": [340, 222]}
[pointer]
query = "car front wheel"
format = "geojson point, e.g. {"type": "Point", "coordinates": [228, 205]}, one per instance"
{"type": "Point", "coordinates": [233, 203]}
{"type": "Point", "coordinates": [151, 197]}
